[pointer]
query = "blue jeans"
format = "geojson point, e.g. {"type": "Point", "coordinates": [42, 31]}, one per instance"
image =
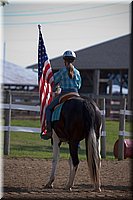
{"type": "Point", "coordinates": [55, 101]}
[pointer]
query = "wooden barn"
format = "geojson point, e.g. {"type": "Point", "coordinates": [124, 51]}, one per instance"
{"type": "Point", "coordinates": [104, 70]}
{"type": "Point", "coordinates": [102, 65]}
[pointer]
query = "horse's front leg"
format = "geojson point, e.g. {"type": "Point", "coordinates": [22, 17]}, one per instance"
{"type": "Point", "coordinates": [56, 152]}
{"type": "Point", "coordinates": [73, 163]}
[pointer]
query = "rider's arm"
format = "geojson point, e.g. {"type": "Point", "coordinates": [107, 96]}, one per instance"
{"type": "Point", "coordinates": [78, 79]}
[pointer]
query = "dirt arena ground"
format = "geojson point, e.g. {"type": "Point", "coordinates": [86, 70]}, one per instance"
{"type": "Point", "coordinates": [24, 178]}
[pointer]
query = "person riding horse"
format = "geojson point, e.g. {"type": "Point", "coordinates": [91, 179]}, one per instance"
{"type": "Point", "coordinates": [69, 80]}
{"type": "Point", "coordinates": [79, 118]}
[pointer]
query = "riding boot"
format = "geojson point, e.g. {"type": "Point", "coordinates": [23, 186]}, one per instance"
{"type": "Point", "coordinates": [49, 130]}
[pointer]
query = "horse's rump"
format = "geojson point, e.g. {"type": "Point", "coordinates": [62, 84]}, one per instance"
{"type": "Point", "coordinates": [72, 124]}
{"type": "Point", "coordinates": [70, 117]}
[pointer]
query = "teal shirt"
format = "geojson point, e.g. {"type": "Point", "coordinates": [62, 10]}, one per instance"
{"type": "Point", "coordinates": [62, 78]}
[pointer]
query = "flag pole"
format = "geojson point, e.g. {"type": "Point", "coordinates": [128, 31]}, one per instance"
{"type": "Point", "coordinates": [45, 80]}
{"type": "Point", "coordinates": [39, 27]}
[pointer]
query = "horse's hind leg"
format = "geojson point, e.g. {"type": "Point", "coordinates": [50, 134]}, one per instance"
{"type": "Point", "coordinates": [56, 152]}
{"type": "Point", "coordinates": [73, 162]}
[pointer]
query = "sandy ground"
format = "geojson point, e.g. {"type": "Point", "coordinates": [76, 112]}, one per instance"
{"type": "Point", "coordinates": [24, 178]}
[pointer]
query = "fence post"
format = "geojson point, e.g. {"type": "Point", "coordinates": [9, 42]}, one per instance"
{"type": "Point", "coordinates": [103, 134]}
{"type": "Point", "coordinates": [121, 130]}
{"type": "Point", "coordinates": [8, 99]}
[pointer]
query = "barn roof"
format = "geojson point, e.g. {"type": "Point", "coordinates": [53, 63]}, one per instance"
{"type": "Point", "coordinates": [113, 54]}
{"type": "Point", "coordinates": [17, 75]}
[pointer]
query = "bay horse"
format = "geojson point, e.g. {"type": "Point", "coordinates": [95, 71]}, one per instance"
{"type": "Point", "coordinates": [80, 119]}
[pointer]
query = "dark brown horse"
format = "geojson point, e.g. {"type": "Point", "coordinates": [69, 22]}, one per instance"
{"type": "Point", "coordinates": [80, 119]}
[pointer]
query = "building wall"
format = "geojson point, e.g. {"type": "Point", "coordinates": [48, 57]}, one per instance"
{"type": "Point", "coordinates": [96, 81]}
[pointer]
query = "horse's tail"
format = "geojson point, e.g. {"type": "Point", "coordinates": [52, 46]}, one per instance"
{"type": "Point", "coordinates": [92, 145]}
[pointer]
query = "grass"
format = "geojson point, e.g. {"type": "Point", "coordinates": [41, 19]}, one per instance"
{"type": "Point", "coordinates": [30, 144]}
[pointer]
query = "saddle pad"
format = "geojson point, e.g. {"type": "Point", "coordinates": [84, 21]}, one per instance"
{"type": "Point", "coordinates": [56, 113]}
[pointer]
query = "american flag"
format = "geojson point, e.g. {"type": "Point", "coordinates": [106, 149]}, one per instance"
{"type": "Point", "coordinates": [45, 81]}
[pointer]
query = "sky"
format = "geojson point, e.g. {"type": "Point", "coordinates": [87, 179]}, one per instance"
{"type": "Point", "coordinates": [70, 25]}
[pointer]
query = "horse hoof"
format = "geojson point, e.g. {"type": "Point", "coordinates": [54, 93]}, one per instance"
{"type": "Point", "coordinates": [68, 189]}
{"type": "Point", "coordinates": [99, 190]}
{"type": "Point", "coordinates": [47, 186]}
{"type": "Point", "coordinates": [96, 190]}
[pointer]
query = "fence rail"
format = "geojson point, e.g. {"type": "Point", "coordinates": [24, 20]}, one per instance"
{"type": "Point", "coordinates": [8, 128]}
{"type": "Point", "coordinates": [21, 107]}
{"type": "Point", "coordinates": [11, 104]}
{"type": "Point", "coordinates": [21, 129]}
{"type": "Point", "coordinates": [126, 112]}
{"type": "Point", "coordinates": [28, 108]}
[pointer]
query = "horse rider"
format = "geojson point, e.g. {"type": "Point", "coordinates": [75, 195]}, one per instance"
{"type": "Point", "coordinates": [69, 80]}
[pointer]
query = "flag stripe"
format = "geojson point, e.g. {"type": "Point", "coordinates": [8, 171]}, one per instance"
{"type": "Point", "coordinates": [45, 81]}
{"type": "Point", "coordinates": [44, 100]}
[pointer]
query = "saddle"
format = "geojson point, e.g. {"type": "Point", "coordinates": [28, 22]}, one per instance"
{"type": "Point", "coordinates": [68, 96]}
{"type": "Point", "coordinates": [63, 98]}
